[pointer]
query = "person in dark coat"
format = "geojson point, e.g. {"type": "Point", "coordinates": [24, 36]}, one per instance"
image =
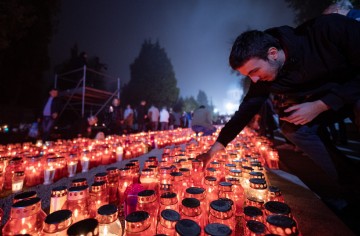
{"type": "Point", "coordinates": [141, 116]}
{"type": "Point", "coordinates": [50, 113]}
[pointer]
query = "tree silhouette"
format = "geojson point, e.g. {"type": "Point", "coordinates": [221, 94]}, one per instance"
{"type": "Point", "coordinates": [77, 61]}
{"type": "Point", "coordinates": [202, 99]}
{"type": "Point", "coordinates": [190, 104]}
{"type": "Point", "coordinates": [152, 78]}
{"type": "Point", "coordinates": [26, 29]}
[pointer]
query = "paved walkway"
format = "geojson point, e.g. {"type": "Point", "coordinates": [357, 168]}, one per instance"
{"type": "Point", "coordinates": [343, 199]}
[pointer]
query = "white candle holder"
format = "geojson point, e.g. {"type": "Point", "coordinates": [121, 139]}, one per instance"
{"type": "Point", "coordinates": [72, 168]}
{"type": "Point", "coordinates": [49, 175]}
{"type": "Point", "coordinates": [85, 164]}
{"type": "Point", "coordinates": [119, 153]}
{"type": "Point", "coordinates": [17, 181]}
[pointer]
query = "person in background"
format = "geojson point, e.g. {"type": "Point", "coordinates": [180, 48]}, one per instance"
{"type": "Point", "coordinates": [128, 119]}
{"type": "Point", "coordinates": [153, 114]}
{"type": "Point", "coordinates": [343, 7]}
{"type": "Point", "coordinates": [115, 117]}
{"type": "Point", "coordinates": [202, 122]}
{"type": "Point", "coordinates": [164, 119]}
{"type": "Point", "coordinates": [177, 117]}
{"type": "Point", "coordinates": [50, 113]}
{"type": "Point", "coordinates": [85, 127]}
{"type": "Point", "coordinates": [141, 116]}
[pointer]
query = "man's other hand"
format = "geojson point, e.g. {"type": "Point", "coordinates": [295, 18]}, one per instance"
{"type": "Point", "coordinates": [303, 113]}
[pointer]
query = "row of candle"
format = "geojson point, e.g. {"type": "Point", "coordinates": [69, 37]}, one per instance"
{"type": "Point", "coordinates": [172, 174]}
{"type": "Point", "coordinates": [32, 164]}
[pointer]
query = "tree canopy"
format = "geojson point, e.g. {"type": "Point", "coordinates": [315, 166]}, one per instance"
{"type": "Point", "coordinates": [152, 78]}
{"type": "Point", "coordinates": [26, 28]}
{"type": "Point", "coordinates": [77, 61]}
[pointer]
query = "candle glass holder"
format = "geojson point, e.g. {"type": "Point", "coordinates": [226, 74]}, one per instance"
{"type": "Point", "coordinates": [57, 223]}
{"type": "Point", "coordinates": [138, 223]}
{"type": "Point", "coordinates": [109, 223]}
{"type": "Point", "coordinates": [186, 227]}
{"type": "Point", "coordinates": [17, 181]}
{"type": "Point", "coordinates": [168, 220]}
{"type": "Point", "coordinates": [26, 217]}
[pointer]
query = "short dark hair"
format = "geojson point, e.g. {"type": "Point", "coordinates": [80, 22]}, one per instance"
{"type": "Point", "coordinates": [251, 44]}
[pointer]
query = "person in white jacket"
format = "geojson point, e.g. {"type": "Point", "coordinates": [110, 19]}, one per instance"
{"type": "Point", "coordinates": [164, 119]}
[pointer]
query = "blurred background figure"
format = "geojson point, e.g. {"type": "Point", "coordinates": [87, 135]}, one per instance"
{"type": "Point", "coordinates": [51, 111]}
{"type": "Point", "coordinates": [202, 122]}
{"type": "Point", "coordinates": [115, 117]}
{"type": "Point", "coordinates": [128, 119]}
{"type": "Point", "coordinates": [164, 119]}
{"type": "Point", "coordinates": [153, 114]}
{"type": "Point", "coordinates": [343, 7]}
{"type": "Point", "coordinates": [141, 117]}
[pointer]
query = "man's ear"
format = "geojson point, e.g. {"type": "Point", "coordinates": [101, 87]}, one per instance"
{"type": "Point", "coordinates": [273, 53]}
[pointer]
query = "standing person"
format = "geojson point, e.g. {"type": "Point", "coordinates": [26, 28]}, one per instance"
{"type": "Point", "coordinates": [164, 119]}
{"type": "Point", "coordinates": [343, 7]}
{"type": "Point", "coordinates": [153, 114]}
{"type": "Point", "coordinates": [202, 122]}
{"type": "Point", "coordinates": [177, 117]}
{"type": "Point", "coordinates": [115, 117]}
{"type": "Point", "coordinates": [141, 116]}
{"type": "Point", "coordinates": [50, 113]}
{"type": "Point", "coordinates": [316, 66]}
{"type": "Point", "coordinates": [128, 119]}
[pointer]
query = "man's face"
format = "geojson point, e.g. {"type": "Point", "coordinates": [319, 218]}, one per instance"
{"type": "Point", "coordinates": [260, 70]}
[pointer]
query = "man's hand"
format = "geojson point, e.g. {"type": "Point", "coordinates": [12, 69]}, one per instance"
{"type": "Point", "coordinates": [205, 158]}
{"type": "Point", "coordinates": [305, 112]}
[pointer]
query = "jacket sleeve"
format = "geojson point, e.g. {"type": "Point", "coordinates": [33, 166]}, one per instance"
{"type": "Point", "coordinates": [257, 95]}
{"type": "Point", "coordinates": [343, 36]}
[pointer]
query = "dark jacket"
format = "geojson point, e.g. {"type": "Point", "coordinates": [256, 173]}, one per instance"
{"type": "Point", "coordinates": [322, 62]}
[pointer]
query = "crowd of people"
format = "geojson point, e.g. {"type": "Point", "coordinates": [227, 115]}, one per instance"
{"type": "Point", "coordinates": [116, 119]}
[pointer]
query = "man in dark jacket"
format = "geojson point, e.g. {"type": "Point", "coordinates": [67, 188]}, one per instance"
{"type": "Point", "coordinates": [50, 113]}
{"type": "Point", "coordinates": [314, 68]}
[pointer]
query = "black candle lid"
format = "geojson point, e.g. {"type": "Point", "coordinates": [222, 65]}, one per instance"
{"type": "Point", "coordinates": [210, 178]}
{"type": "Point", "coordinates": [137, 216]}
{"type": "Point", "coordinates": [108, 209]}
{"type": "Point", "coordinates": [146, 193]}
{"type": "Point", "coordinates": [168, 195]}
{"type": "Point", "coordinates": [277, 208]}
{"type": "Point", "coordinates": [281, 221]}
{"type": "Point", "coordinates": [170, 215]}
{"type": "Point", "coordinates": [252, 211]}
{"type": "Point", "coordinates": [195, 190]}
{"type": "Point", "coordinates": [176, 174]}
{"type": "Point", "coordinates": [26, 202]}
{"type": "Point", "coordinates": [190, 202]}
{"type": "Point", "coordinates": [84, 227]}
{"type": "Point", "coordinates": [217, 229]}
{"type": "Point", "coordinates": [255, 226]}
{"type": "Point", "coordinates": [101, 174]}
{"type": "Point", "coordinates": [58, 216]}
{"type": "Point", "coordinates": [186, 227]}
{"type": "Point", "coordinates": [25, 195]}
{"type": "Point", "coordinates": [220, 205]}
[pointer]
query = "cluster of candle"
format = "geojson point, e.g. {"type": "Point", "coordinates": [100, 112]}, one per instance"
{"type": "Point", "coordinates": [174, 196]}
{"type": "Point", "coordinates": [30, 164]}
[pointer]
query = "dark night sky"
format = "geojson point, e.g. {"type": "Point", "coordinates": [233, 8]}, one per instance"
{"type": "Point", "coordinates": [196, 34]}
